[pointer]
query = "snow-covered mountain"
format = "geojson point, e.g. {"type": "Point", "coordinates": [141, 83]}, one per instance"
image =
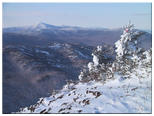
{"type": "Point", "coordinates": [41, 27]}
{"type": "Point", "coordinates": [41, 61]}
{"type": "Point", "coordinates": [43, 32]}
{"type": "Point", "coordinates": [122, 86]}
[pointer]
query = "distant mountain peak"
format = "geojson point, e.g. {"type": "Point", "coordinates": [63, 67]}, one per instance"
{"type": "Point", "coordinates": [42, 25]}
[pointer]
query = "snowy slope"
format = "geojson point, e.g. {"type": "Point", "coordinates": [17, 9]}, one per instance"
{"type": "Point", "coordinates": [120, 95]}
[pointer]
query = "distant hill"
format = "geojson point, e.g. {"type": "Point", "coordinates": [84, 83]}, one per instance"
{"type": "Point", "coordinates": [44, 33]}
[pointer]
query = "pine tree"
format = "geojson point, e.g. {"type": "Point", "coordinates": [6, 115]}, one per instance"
{"type": "Point", "coordinates": [96, 70]}
{"type": "Point", "coordinates": [128, 54]}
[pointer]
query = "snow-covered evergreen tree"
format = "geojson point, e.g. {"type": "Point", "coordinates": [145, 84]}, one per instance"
{"type": "Point", "coordinates": [128, 56]}
{"type": "Point", "coordinates": [96, 70]}
{"type": "Point", "coordinates": [128, 53]}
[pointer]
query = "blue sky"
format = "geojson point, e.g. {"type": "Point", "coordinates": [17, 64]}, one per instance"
{"type": "Point", "coordinates": [107, 15]}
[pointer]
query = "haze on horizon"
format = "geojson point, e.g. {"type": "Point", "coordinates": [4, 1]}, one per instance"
{"type": "Point", "coordinates": [103, 15]}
